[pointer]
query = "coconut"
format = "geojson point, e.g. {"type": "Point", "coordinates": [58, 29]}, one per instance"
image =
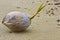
{"type": "Point", "coordinates": [18, 21]}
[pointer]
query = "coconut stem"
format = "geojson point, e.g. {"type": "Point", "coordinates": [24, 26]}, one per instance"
{"type": "Point", "coordinates": [39, 9]}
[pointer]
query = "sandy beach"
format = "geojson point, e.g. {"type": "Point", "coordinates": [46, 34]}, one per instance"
{"type": "Point", "coordinates": [45, 26]}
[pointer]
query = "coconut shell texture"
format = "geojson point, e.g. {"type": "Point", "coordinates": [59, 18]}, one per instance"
{"type": "Point", "coordinates": [16, 21]}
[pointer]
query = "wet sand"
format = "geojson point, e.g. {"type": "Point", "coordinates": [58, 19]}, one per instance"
{"type": "Point", "coordinates": [45, 26]}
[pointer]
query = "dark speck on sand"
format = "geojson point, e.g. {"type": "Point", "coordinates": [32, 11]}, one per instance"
{"type": "Point", "coordinates": [18, 7]}
{"type": "Point", "coordinates": [58, 20]}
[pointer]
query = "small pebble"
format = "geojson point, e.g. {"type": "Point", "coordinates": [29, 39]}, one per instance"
{"type": "Point", "coordinates": [52, 13]}
{"type": "Point", "coordinates": [18, 7]}
{"type": "Point", "coordinates": [10, 32]}
{"type": "Point", "coordinates": [58, 20]}
{"type": "Point", "coordinates": [52, 9]}
{"type": "Point", "coordinates": [57, 4]}
{"type": "Point", "coordinates": [50, 3]}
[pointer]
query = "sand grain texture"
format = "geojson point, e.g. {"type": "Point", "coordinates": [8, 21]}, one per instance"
{"type": "Point", "coordinates": [43, 27]}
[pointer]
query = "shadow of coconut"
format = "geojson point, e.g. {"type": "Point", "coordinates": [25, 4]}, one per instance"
{"type": "Point", "coordinates": [24, 31]}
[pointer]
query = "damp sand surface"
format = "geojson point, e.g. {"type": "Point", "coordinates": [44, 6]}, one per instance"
{"type": "Point", "coordinates": [45, 26]}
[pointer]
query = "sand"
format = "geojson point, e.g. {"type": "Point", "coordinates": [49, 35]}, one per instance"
{"type": "Point", "coordinates": [43, 26]}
